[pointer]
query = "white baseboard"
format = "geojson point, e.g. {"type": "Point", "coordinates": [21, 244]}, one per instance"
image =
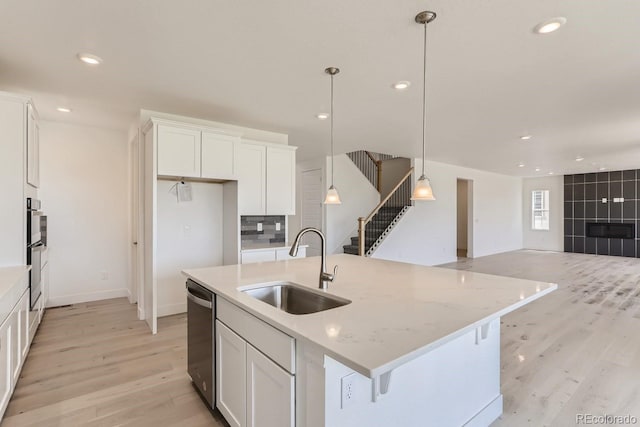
{"type": "Point", "coordinates": [169, 309]}
{"type": "Point", "coordinates": [56, 301]}
{"type": "Point", "coordinates": [487, 415]}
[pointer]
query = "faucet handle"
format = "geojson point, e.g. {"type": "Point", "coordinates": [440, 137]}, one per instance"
{"type": "Point", "coordinates": [335, 273]}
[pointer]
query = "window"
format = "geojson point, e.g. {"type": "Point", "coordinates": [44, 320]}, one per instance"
{"type": "Point", "coordinates": [540, 209]}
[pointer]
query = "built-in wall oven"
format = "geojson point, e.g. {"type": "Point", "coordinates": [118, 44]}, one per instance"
{"type": "Point", "coordinates": [34, 249]}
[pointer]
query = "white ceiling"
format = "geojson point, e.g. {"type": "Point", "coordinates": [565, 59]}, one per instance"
{"type": "Point", "coordinates": [260, 64]}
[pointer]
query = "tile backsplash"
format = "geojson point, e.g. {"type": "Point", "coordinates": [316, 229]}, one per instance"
{"type": "Point", "coordinates": [251, 236]}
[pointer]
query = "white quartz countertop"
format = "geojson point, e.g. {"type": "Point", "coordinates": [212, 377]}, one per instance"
{"type": "Point", "coordinates": [398, 311]}
{"type": "Point", "coordinates": [255, 247]}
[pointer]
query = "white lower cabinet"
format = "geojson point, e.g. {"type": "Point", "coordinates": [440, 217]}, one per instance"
{"type": "Point", "coordinates": [6, 374]}
{"type": "Point", "coordinates": [252, 390]}
{"type": "Point", "coordinates": [270, 392]}
{"type": "Point", "coordinates": [231, 351]}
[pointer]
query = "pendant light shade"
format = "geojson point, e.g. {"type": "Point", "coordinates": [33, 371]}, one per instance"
{"type": "Point", "coordinates": [333, 198]}
{"type": "Point", "coordinates": [422, 189]}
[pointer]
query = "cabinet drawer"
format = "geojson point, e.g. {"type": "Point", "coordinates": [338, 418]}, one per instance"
{"type": "Point", "coordinates": [282, 254]}
{"type": "Point", "coordinates": [258, 256]}
{"type": "Point", "coordinates": [277, 345]}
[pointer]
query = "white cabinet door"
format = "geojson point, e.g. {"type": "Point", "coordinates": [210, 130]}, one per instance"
{"type": "Point", "coordinates": [33, 155]}
{"type": "Point", "coordinates": [218, 156]}
{"type": "Point", "coordinates": [24, 324]}
{"type": "Point", "coordinates": [258, 256]}
{"type": "Point", "coordinates": [231, 372]}
{"type": "Point", "coordinates": [20, 335]}
{"type": "Point", "coordinates": [270, 392]}
{"type": "Point", "coordinates": [178, 151]}
{"type": "Point", "coordinates": [5, 365]}
{"type": "Point", "coordinates": [251, 179]}
{"type": "Point", "coordinates": [281, 179]}
{"type": "Point", "coordinates": [283, 254]}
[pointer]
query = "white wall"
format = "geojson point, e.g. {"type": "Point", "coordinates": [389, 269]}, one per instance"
{"type": "Point", "coordinates": [85, 194]}
{"type": "Point", "coordinates": [340, 222]}
{"type": "Point", "coordinates": [358, 198]}
{"type": "Point", "coordinates": [427, 233]}
{"type": "Point", "coordinates": [189, 236]}
{"type": "Point", "coordinates": [551, 240]}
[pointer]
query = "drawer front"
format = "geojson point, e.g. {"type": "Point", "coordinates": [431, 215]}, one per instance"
{"type": "Point", "coordinates": [277, 345]}
{"type": "Point", "coordinates": [258, 256]}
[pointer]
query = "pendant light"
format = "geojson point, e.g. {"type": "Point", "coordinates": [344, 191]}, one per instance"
{"type": "Point", "coordinates": [333, 198]}
{"type": "Point", "coordinates": [422, 190]}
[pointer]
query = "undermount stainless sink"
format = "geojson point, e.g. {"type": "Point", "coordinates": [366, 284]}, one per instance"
{"type": "Point", "coordinates": [295, 299]}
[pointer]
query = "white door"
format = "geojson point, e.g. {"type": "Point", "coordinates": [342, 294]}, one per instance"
{"type": "Point", "coordinates": [135, 193]}
{"type": "Point", "coordinates": [32, 148]}
{"type": "Point", "coordinates": [178, 151]}
{"type": "Point", "coordinates": [149, 309]}
{"type": "Point", "coordinates": [281, 181]}
{"type": "Point", "coordinates": [251, 179]}
{"type": "Point", "coordinates": [231, 394]}
{"type": "Point", "coordinates": [311, 207]}
{"type": "Point", "coordinates": [270, 392]}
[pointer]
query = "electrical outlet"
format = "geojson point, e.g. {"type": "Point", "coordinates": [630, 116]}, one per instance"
{"type": "Point", "coordinates": [104, 275]}
{"type": "Point", "coordinates": [259, 226]}
{"type": "Point", "coordinates": [348, 390]}
{"type": "Point", "coordinates": [277, 226]}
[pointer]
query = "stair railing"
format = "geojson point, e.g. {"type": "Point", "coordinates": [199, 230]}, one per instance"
{"type": "Point", "coordinates": [368, 165]}
{"type": "Point", "coordinates": [401, 193]}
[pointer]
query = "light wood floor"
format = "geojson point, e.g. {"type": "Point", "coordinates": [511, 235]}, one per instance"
{"type": "Point", "coordinates": [95, 364]}
{"type": "Point", "coordinates": [575, 350]}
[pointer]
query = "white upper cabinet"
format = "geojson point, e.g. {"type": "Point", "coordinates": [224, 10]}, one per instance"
{"type": "Point", "coordinates": [266, 175]}
{"type": "Point", "coordinates": [252, 185]}
{"type": "Point", "coordinates": [281, 180]}
{"type": "Point", "coordinates": [178, 151]}
{"type": "Point", "coordinates": [33, 148]}
{"type": "Point", "coordinates": [219, 154]}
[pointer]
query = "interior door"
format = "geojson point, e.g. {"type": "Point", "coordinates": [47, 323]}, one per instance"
{"type": "Point", "coordinates": [135, 205]}
{"type": "Point", "coordinates": [150, 295]}
{"type": "Point", "coordinates": [311, 215]}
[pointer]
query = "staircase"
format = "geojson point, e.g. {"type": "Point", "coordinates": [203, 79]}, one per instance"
{"type": "Point", "coordinates": [376, 230]}
{"type": "Point", "coordinates": [373, 229]}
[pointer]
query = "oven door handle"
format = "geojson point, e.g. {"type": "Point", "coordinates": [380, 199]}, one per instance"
{"type": "Point", "coordinates": [201, 302]}
{"type": "Point", "coordinates": [39, 246]}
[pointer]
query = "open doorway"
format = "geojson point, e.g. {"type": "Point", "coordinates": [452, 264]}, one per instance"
{"type": "Point", "coordinates": [464, 218]}
{"type": "Point", "coordinates": [311, 204]}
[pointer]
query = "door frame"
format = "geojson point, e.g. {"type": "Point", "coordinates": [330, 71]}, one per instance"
{"type": "Point", "coordinates": [470, 221]}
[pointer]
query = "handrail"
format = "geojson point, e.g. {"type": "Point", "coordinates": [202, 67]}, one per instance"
{"type": "Point", "coordinates": [362, 222]}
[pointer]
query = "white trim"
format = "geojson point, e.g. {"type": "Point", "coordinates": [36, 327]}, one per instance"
{"type": "Point", "coordinates": [87, 297]}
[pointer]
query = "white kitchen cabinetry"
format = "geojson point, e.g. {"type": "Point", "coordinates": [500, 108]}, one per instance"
{"type": "Point", "coordinates": [218, 156]}
{"type": "Point", "coordinates": [270, 392]}
{"type": "Point", "coordinates": [252, 179]}
{"type": "Point", "coordinates": [231, 371]}
{"type": "Point", "coordinates": [255, 381]}
{"type": "Point", "coordinates": [6, 374]}
{"type": "Point", "coordinates": [249, 256]}
{"type": "Point", "coordinates": [266, 175]}
{"type": "Point", "coordinates": [283, 254]}
{"type": "Point", "coordinates": [178, 151]}
{"type": "Point", "coordinates": [192, 152]}
{"type": "Point", "coordinates": [281, 178]}
{"type": "Point", "coordinates": [33, 147]}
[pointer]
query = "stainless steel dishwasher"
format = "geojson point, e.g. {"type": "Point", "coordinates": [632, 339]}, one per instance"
{"type": "Point", "coordinates": [200, 342]}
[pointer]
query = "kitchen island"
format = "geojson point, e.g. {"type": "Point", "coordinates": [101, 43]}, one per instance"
{"type": "Point", "coordinates": [416, 346]}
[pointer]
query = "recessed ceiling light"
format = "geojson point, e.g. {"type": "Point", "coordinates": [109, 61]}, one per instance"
{"type": "Point", "coordinates": [550, 25]}
{"type": "Point", "coordinates": [550, 173]}
{"type": "Point", "coordinates": [521, 165]}
{"type": "Point", "coordinates": [64, 109]}
{"type": "Point", "coordinates": [322, 116]}
{"type": "Point", "coordinates": [537, 169]}
{"type": "Point", "coordinates": [603, 168]}
{"type": "Point", "coordinates": [525, 137]}
{"type": "Point", "coordinates": [579, 159]}
{"type": "Point", "coordinates": [402, 85]}
{"type": "Point", "coordinates": [89, 59]}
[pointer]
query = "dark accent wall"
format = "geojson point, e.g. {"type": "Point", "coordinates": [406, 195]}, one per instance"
{"type": "Point", "coordinates": [249, 234]}
{"type": "Point", "coordinates": [583, 194]}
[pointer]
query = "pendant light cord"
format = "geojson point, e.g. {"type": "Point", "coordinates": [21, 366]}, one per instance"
{"type": "Point", "coordinates": [424, 99]}
{"type": "Point", "coordinates": [332, 130]}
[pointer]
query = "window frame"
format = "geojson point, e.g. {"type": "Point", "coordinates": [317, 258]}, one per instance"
{"type": "Point", "coordinates": [545, 208]}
